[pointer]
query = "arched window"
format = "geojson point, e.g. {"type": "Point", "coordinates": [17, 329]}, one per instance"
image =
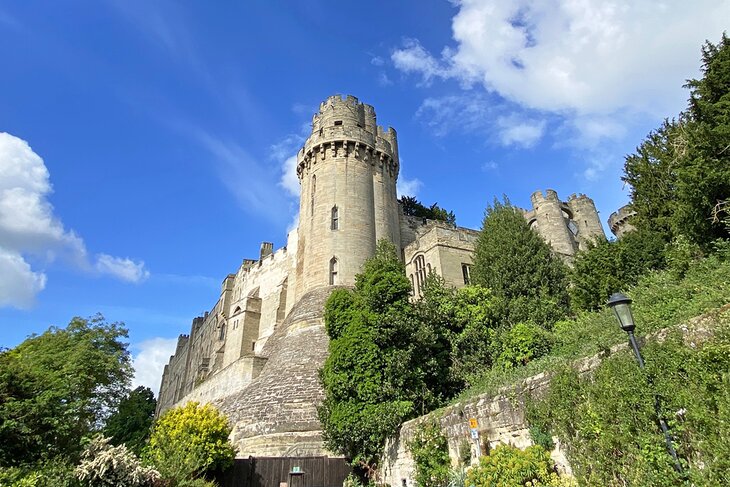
{"type": "Point", "coordinates": [222, 334]}
{"type": "Point", "coordinates": [333, 271]}
{"type": "Point", "coordinates": [420, 274]}
{"type": "Point", "coordinates": [335, 218]}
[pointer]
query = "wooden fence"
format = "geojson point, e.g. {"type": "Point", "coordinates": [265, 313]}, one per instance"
{"type": "Point", "coordinates": [294, 471]}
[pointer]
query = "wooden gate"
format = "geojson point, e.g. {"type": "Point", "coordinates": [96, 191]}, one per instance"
{"type": "Point", "coordinates": [294, 471]}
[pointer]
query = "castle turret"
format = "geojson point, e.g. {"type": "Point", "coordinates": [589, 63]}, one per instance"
{"type": "Point", "coordinates": [348, 170]}
{"type": "Point", "coordinates": [552, 218]}
{"type": "Point", "coordinates": [585, 217]}
{"type": "Point", "coordinates": [619, 221]}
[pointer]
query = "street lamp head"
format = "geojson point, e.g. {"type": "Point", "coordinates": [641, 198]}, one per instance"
{"type": "Point", "coordinates": [621, 305]}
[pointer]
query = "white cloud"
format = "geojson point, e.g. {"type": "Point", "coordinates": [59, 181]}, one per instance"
{"type": "Point", "coordinates": [490, 166]}
{"type": "Point", "coordinates": [589, 70]}
{"type": "Point", "coordinates": [150, 361]}
{"type": "Point", "coordinates": [408, 187]}
{"type": "Point", "coordinates": [28, 225]}
{"type": "Point", "coordinates": [124, 269]}
{"type": "Point", "coordinates": [585, 56]}
{"type": "Point", "coordinates": [18, 284]}
{"type": "Point", "coordinates": [517, 131]}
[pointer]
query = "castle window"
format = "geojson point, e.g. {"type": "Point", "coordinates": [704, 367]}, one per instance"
{"type": "Point", "coordinates": [466, 271]}
{"type": "Point", "coordinates": [253, 345]}
{"type": "Point", "coordinates": [413, 286]}
{"type": "Point", "coordinates": [222, 334]}
{"type": "Point", "coordinates": [335, 218]}
{"type": "Point", "coordinates": [573, 227]}
{"type": "Point", "coordinates": [333, 271]}
{"type": "Point", "coordinates": [338, 122]}
{"type": "Point", "coordinates": [420, 274]}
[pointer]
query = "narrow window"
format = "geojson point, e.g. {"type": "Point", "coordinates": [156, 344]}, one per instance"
{"type": "Point", "coordinates": [338, 122]}
{"type": "Point", "coordinates": [335, 218]}
{"type": "Point", "coordinates": [314, 190]}
{"type": "Point", "coordinates": [413, 286]}
{"type": "Point", "coordinates": [253, 345]}
{"type": "Point", "coordinates": [466, 271]}
{"type": "Point", "coordinates": [222, 333]}
{"type": "Point", "coordinates": [420, 274]}
{"type": "Point", "coordinates": [333, 271]}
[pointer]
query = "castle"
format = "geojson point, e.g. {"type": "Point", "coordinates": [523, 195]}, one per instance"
{"type": "Point", "coordinates": [256, 353]}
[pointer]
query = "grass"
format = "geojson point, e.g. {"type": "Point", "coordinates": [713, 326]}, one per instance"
{"type": "Point", "coordinates": [661, 299]}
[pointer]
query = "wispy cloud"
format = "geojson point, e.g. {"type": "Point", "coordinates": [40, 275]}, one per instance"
{"type": "Point", "coordinates": [28, 225]}
{"type": "Point", "coordinates": [125, 269]}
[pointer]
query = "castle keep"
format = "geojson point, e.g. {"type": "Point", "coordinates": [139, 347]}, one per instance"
{"type": "Point", "coordinates": [256, 353]}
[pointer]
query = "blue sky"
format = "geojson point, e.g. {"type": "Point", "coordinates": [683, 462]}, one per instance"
{"type": "Point", "coordinates": [146, 147]}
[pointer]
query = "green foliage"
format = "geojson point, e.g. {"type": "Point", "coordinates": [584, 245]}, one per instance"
{"type": "Point", "coordinates": [680, 175]}
{"type": "Point", "coordinates": [661, 299]}
{"type": "Point", "coordinates": [516, 264]}
{"type": "Point", "coordinates": [412, 207]}
{"type": "Point", "coordinates": [103, 464]}
{"type": "Point", "coordinates": [189, 441]}
{"type": "Point", "coordinates": [460, 323]}
{"type": "Point", "coordinates": [385, 364]}
{"type": "Point", "coordinates": [56, 472]}
{"type": "Point", "coordinates": [521, 344]}
{"type": "Point", "coordinates": [608, 421]}
{"type": "Point", "coordinates": [430, 452]}
{"type": "Point", "coordinates": [609, 267]}
{"type": "Point", "coordinates": [508, 466]}
{"type": "Point", "coordinates": [57, 387]}
{"type": "Point", "coordinates": [131, 423]}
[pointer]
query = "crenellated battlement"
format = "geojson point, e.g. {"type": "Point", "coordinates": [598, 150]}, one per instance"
{"type": "Point", "coordinates": [347, 128]}
{"type": "Point", "coordinates": [619, 221]}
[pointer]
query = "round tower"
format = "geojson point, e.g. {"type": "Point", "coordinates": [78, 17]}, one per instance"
{"type": "Point", "coordinates": [348, 170]}
{"type": "Point", "coordinates": [586, 218]}
{"type": "Point", "coordinates": [552, 217]}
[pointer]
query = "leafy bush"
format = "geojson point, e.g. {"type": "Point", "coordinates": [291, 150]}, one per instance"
{"type": "Point", "coordinates": [608, 267]}
{"type": "Point", "coordinates": [105, 465]}
{"type": "Point", "coordinates": [608, 421]}
{"type": "Point", "coordinates": [521, 344]}
{"type": "Point", "coordinates": [430, 453]}
{"type": "Point", "coordinates": [189, 441]}
{"type": "Point", "coordinates": [508, 466]}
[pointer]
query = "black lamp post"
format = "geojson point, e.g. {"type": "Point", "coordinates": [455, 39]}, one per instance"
{"type": "Point", "coordinates": [621, 306]}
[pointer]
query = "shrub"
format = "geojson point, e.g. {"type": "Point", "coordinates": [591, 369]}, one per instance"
{"type": "Point", "coordinates": [105, 465]}
{"type": "Point", "coordinates": [508, 466]}
{"type": "Point", "coordinates": [430, 453]}
{"type": "Point", "coordinates": [521, 344]}
{"type": "Point", "coordinates": [189, 441]}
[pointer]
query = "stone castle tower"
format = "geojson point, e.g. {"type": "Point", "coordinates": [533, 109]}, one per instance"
{"type": "Point", "coordinates": [348, 169]}
{"type": "Point", "coordinates": [568, 226]}
{"type": "Point", "coordinates": [256, 354]}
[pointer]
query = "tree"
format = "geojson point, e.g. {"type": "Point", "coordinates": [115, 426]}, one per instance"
{"type": "Point", "coordinates": [516, 264]}
{"type": "Point", "coordinates": [57, 387]}
{"type": "Point", "coordinates": [608, 267]}
{"type": "Point", "coordinates": [680, 175]}
{"type": "Point", "coordinates": [131, 423]}
{"type": "Point", "coordinates": [189, 441]}
{"type": "Point", "coordinates": [378, 372]}
{"type": "Point", "coordinates": [412, 207]}
{"type": "Point", "coordinates": [462, 324]}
